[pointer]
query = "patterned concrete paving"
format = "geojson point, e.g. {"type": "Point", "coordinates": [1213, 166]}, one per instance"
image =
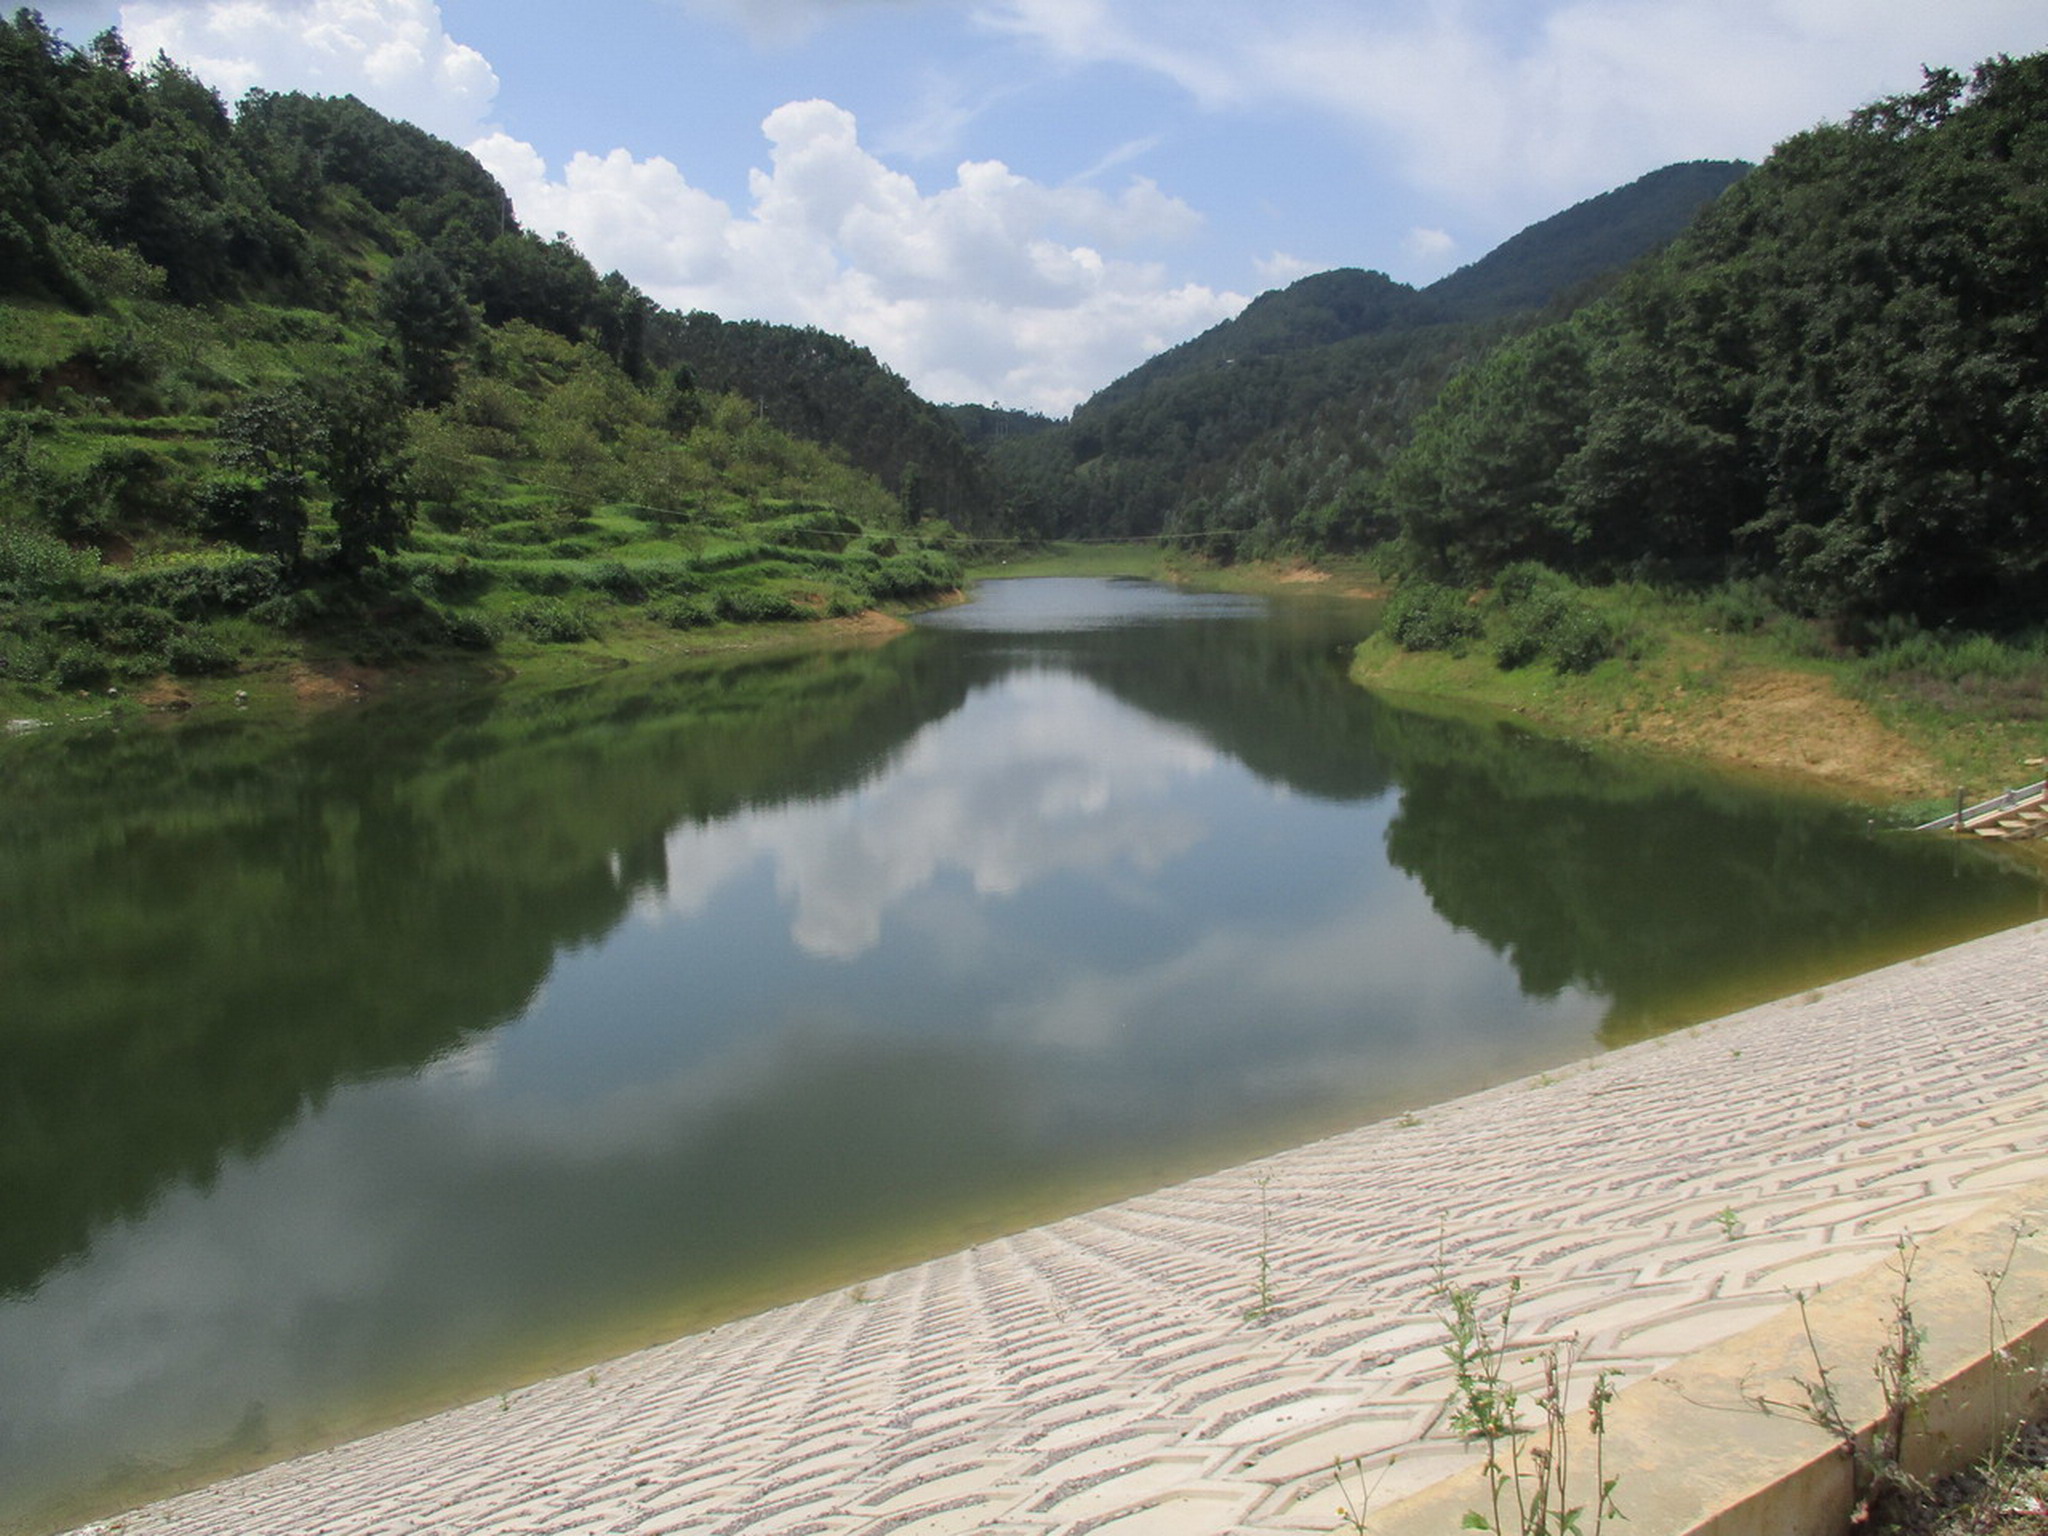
{"type": "Point", "coordinates": [1101, 1374]}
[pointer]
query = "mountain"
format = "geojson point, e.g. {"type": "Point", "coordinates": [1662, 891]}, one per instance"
{"type": "Point", "coordinates": [1834, 388]}
{"type": "Point", "coordinates": [1270, 418]}
{"type": "Point", "coordinates": [1550, 260]}
{"type": "Point", "coordinates": [295, 376]}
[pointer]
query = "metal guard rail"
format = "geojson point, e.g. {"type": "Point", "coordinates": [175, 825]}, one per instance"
{"type": "Point", "coordinates": [2006, 801]}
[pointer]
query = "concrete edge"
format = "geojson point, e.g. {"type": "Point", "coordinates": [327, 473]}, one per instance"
{"type": "Point", "coordinates": [1692, 1454]}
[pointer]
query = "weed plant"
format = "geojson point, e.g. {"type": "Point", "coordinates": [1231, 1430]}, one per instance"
{"type": "Point", "coordinates": [1528, 1465]}
{"type": "Point", "coordinates": [1887, 1496]}
{"type": "Point", "coordinates": [1263, 1298]}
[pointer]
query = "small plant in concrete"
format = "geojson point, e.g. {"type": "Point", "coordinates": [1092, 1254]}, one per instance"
{"type": "Point", "coordinates": [1263, 1299]}
{"type": "Point", "coordinates": [1729, 1222]}
{"type": "Point", "coordinates": [1528, 1465]}
{"type": "Point", "coordinates": [2008, 1373]}
{"type": "Point", "coordinates": [1356, 1493]}
{"type": "Point", "coordinates": [1883, 1487]}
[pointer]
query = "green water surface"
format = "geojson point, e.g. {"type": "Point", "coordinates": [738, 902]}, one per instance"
{"type": "Point", "coordinates": [394, 1058]}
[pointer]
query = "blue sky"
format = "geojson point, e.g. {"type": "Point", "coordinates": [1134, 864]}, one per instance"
{"type": "Point", "coordinates": [1016, 201]}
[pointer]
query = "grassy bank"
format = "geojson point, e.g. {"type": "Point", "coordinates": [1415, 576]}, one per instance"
{"type": "Point", "coordinates": [1724, 678]}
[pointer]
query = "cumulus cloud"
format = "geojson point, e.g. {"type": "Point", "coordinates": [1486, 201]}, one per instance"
{"type": "Point", "coordinates": [1280, 269]}
{"type": "Point", "coordinates": [1516, 107]}
{"type": "Point", "coordinates": [394, 54]}
{"type": "Point", "coordinates": [1431, 247]}
{"type": "Point", "coordinates": [996, 287]}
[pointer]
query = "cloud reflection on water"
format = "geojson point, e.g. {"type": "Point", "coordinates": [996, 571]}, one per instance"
{"type": "Point", "coordinates": [1047, 776]}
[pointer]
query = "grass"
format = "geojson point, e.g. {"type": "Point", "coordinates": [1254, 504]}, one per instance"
{"type": "Point", "coordinates": [995, 561]}
{"type": "Point", "coordinates": [1969, 713]}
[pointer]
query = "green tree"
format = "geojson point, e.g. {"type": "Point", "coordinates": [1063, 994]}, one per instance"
{"type": "Point", "coordinates": [1477, 486]}
{"type": "Point", "coordinates": [421, 303]}
{"type": "Point", "coordinates": [367, 468]}
{"type": "Point", "coordinates": [270, 443]}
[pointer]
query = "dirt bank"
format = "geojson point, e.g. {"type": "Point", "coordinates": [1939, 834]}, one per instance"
{"type": "Point", "coordinates": [1789, 723]}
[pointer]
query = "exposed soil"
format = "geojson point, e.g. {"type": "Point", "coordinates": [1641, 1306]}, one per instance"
{"type": "Point", "coordinates": [332, 682]}
{"type": "Point", "coordinates": [2008, 1500]}
{"type": "Point", "coordinates": [1790, 723]}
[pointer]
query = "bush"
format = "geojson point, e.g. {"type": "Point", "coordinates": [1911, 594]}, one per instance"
{"type": "Point", "coordinates": [25, 658]}
{"type": "Point", "coordinates": [845, 602]}
{"type": "Point", "coordinates": [758, 605]}
{"type": "Point", "coordinates": [1739, 608]}
{"type": "Point", "coordinates": [1537, 612]}
{"type": "Point", "coordinates": [80, 664]}
{"type": "Point", "coordinates": [33, 562]}
{"type": "Point", "coordinates": [553, 620]}
{"type": "Point", "coordinates": [133, 628]}
{"type": "Point", "coordinates": [468, 631]}
{"type": "Point", "coordinates": [544, 580]}
{"type": "Point", "coordinates": [691, 611]}
{"type": "Point", "coordinates": [618, 579]}
{"type": "Point", "coordinates": [199, 586]}
{"type": "Point", "coordinates": [195, 653]}
{"type": "Point", "coordinates": [292, 610]}
{"type": "Point", "coordinates": [1581, 639]}
{"type": "Point", "coordinates": [449, 580]}
{"type": "Point", "coordinates": [1427, 616]}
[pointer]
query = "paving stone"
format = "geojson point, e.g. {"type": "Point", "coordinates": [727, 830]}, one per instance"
{"type": "Point", "coordinates": [1098, 1375]}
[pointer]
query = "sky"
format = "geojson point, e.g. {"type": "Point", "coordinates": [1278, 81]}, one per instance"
{"type": "Point", "coordinates": [1015, 202]}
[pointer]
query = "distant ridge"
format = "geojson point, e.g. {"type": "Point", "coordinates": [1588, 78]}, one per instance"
{"type": "Point", "coordinates": [1546, 261]}
{"type": "Point", "coordinates": [1543, 264]}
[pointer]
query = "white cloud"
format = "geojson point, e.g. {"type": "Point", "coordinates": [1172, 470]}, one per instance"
{"type": "Point", "coordinates": [1280, 269]}
{"type": "Point", "coordinates": [994, 288]}
{"type": "Point", "coordinates": [1429, 246]}
{"type": "Point", "coordinates": [394, 54]}
{"type": "Point", "coordinates": [1518, 109]}
{"type": "Point", "coordinates": [783, 22]}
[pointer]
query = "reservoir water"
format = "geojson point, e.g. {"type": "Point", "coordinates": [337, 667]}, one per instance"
{"type": "Point", "coordinates": [393, 1058]}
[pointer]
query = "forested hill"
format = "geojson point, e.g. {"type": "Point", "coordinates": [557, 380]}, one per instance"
{"type": "Point", "coordinates": [1549, 261]}
{"type": "Point", "coordinates": [1263, 429]}
{"type": "Point", "coordinates": [1836, 386]}
{"type": "Point", "coordinates": [293, 376]}
{"type": "Point", "coordinates": [1544, 264]}
{"type": "Point", "coordinates": [122, 183]}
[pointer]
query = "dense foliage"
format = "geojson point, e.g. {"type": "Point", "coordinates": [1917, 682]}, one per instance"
{"type": "Point", "coordinates": [1837, 382]}
{"type": "Point", "coordinates": [298, 370]}
{"type": "Point", "coordinates": [1274, 429]}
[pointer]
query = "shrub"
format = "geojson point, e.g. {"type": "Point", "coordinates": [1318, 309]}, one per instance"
{"type": "Point", "coordinates": [1537, 613]}
{"type": "Point", "coordinates": [195, 653]}
{"type": "Point", "coordinates": [449, 580]}
{"type": "Point", "coordinates": [544, 580]}
{"type": "Point", "coordinates": [758, 605]}
{"type": "Point", "coordinates": [618, 579]}
{"type": "Point", "coordinates": [33, 562]}
{"type": "Point", "coordinates": [468, 631]}
{"type": "Point", "coordinates": [1739, 608]}
{"type": "Point", "coordinates": [25, 658]}
{"type": "Point", "coordinates": [1581, 639]}
{"type": "Point", "coordinates": [1427, 616]}
{"type": "Point", "coordinates": [291, 610]}
{"type": "Point", "coordinates": [196, 586]}
{"type": "Point", "coordinates": [845, 602]}
{"type": "Point", "coordinates": [689, 611]}
{"type": "Point", "coordinates": [80, 664]}
{"type": "Point", "coordinates": [551, 619]}
{"type": "Point", "coordinates": [130, 627]}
